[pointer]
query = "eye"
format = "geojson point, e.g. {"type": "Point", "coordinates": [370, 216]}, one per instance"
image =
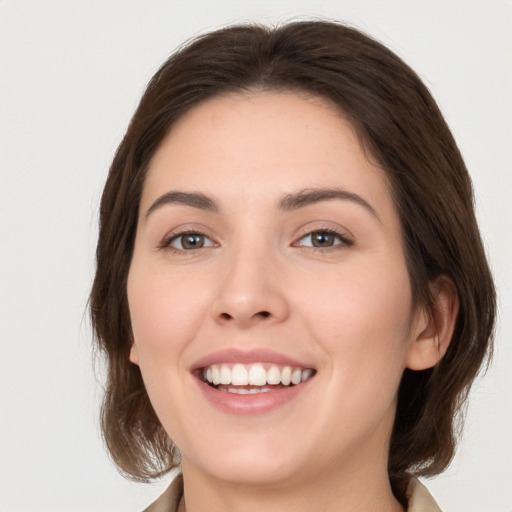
{"type": "Point", "coordinates": [188, 241]}
{"type": "Point", "coordinates": [323, 239]}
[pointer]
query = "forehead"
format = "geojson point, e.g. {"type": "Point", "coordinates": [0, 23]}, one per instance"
{"type": "Point", "coordinates": [263, 144]}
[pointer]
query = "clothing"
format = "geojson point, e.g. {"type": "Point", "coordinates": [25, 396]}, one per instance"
{"type": "Point", "coordinates": [420, 499]}
{"type": "Point", "coordinates": [169, 501]}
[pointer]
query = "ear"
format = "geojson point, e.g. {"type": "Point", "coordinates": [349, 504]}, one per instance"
{"type": "Point", "coordinates": [134, 354]}
{"type": "Point", "coordinates": [434, 326]}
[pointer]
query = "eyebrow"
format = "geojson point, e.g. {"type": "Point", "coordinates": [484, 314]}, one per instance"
{"type": "Point", "coordinates": [308, 197]}
{"type": "Point", "coordinates": [289, 202]}
{"type": "Point", "coordinates": [193, 199]}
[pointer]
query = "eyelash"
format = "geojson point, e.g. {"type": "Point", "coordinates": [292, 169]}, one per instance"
{"type": "Point", "coordinates": [167, 241]}
{"type": "Point", "coordinates": [344, 241]}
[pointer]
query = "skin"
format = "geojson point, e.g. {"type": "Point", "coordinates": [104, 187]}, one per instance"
{"type": "Point", "coordinates": [346, 309]}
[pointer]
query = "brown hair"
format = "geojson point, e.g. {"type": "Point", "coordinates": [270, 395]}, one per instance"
{"type": "Point", "coordinates": [401, 127]}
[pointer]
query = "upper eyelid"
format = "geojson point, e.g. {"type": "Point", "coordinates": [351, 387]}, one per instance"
{"type": "Point", "coordinates": [340, 231]}
{"type": "Point", "coordinates": [344, 239]}
{"type": "Point", "coordinates": [188, 228]}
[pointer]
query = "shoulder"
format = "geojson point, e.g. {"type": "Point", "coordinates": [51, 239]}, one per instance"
{"type": "Point", "coordinates": [169, 501]}
{"type": "Point", "coordinates": [420, 499]}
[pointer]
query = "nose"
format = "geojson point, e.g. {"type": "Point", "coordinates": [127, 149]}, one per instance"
{"type": "Point", "coordinates": [250, 292]}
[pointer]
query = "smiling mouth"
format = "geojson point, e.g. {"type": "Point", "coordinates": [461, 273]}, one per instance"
{"type": "Point", "coordinates": [254, 378]}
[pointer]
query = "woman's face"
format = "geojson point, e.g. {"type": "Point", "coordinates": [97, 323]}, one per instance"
{"type": "Point", "coordinates": [268, 249]}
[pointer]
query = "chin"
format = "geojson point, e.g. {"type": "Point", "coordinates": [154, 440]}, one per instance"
{"type": "Point", "coordinates": [256, 465]}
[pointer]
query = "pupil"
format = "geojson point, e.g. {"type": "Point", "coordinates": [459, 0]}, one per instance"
{"type": "Point", "coordinates": [193, 241]}
{"type": "Point", "coordinates": [323, 239]}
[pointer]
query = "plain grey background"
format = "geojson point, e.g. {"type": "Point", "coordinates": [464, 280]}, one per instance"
{"type": "Point", "coordinates": [71, 74]}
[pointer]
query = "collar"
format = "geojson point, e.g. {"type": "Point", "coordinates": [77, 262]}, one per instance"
{"type": "Point", "coordinates": [419, 498]}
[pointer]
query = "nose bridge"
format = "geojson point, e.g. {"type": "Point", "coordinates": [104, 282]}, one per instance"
{"type": "Point", "coordinates": [250, 290]}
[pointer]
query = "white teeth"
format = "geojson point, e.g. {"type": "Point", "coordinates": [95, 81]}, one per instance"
{"type": "Point", "coordinates": [239, 391]}
{"type": "Point", "coordinates": [225, 375]}
{"type": "Point", "coordinates": [273, 375]}
{"type": "Point", "coordinates": [296, 376]}
{"type": "Point", "coordinates": [257, 375]}
{"type": "Point", "coordinates": [215, 376]}
{"type": "Point", "coordinates": [254, 375]}
{"type": "Point", "coordinates": [286, 376]}
{"type": "Point", "coordinates": [306, 374]}
{"type": "Point", "coordinates": [245, 391]}
{"type": "Point", "coordinates": [239, 375]}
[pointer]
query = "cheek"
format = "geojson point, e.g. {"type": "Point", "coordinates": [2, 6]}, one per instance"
{"type": "Point", "coordinates": [362, 319]}
{"type": "Point", "coordinates": [165, 315]}
{"type": "Point", "coordinates": [164, 311]}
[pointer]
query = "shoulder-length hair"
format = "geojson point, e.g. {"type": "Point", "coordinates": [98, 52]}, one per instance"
{"type": "Point", "coordinates": [401, 127]}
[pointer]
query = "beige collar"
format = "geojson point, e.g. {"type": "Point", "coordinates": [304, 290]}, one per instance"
{"type": "Point", "coordinates": [419, 498]}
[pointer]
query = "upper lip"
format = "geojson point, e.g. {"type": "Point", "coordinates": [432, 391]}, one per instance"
{"type": "Point", "coordinates": [259, 355]}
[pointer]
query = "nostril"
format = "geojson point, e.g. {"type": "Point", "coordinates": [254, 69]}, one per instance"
{"type": "Point", "coordinates": [259, 314]}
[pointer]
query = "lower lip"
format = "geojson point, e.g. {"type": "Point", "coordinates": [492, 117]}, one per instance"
{"type": "Point", "coordinates": [250, 404]}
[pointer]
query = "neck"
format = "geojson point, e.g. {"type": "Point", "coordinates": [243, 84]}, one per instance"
{"type": "Point", "coordinates": [355, 491]}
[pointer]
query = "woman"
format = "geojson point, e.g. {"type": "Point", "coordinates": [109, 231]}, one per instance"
{"type": "Point", "coordinates": [291, 289]}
